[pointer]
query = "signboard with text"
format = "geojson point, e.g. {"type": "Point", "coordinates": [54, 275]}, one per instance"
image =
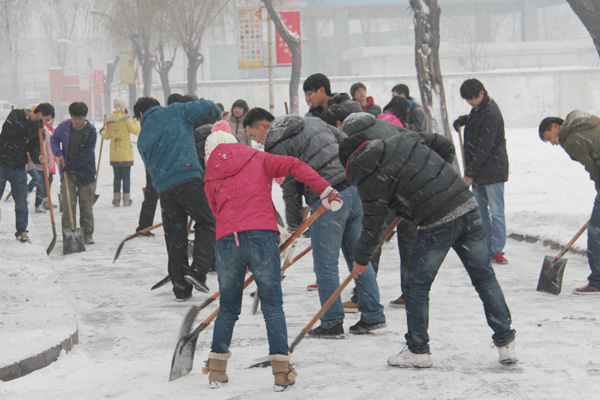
{"type": "Point", "coordinates": [127, 67]}
{"type": "Point", "coordinates": [250, 53]}
{"type": "Point", "coordinates": [291, 19]}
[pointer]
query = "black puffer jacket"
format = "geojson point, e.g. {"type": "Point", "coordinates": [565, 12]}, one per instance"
{"type": "Point", "coordinates": [485, 144]}
{"type": "Point", "coordinates": [311, 140]}
{"type": "Point", "coordinates": [406, 174]}
{"type": "Point", "coordinates": [19, 136]}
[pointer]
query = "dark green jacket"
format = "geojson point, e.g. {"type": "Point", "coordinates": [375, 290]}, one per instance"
{"type": "Point", "coordinates": [579, 135]}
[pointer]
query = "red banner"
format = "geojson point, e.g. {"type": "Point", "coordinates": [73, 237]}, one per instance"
{"type": "Point", "coordinates": [98, 79]}
{"type": "Point", "coordinates": [291, 19]}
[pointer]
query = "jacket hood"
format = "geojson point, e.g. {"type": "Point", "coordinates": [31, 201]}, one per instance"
{"type": "Point", "coordinates": [240, 103]}
{"type": "Point", "coordinates": [360, 122]}
{"type": "Point", "coordinates": [227, 160]}
{"type": "Point", "coordinates": [575, 121]}
{"type": "Point", "coordinates": [361, 163]}
{"type": "Point", "coordinates": [281, 128]}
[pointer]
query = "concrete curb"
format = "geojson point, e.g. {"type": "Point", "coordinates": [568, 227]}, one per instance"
{"type": "Point", "coordinates": [546, 243]}
{"type": "Point", "coordinates": [38, 361]}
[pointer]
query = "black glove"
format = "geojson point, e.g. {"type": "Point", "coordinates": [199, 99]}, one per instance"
{"type": "Point", "coordinates": [459, 122]}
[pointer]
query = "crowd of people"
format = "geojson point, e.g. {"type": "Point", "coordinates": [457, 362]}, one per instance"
{"type": "Point", "coordinates": [367, 167]}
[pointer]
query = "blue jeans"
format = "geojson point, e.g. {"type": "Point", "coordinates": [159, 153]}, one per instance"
{"type": "Point", "coordinates": [330, 232]}
{"type": "Point", "coordinates": [259, 251]}
{"type": "Point", "coordinates": [491, 203]}
{"type": "Point", "coordinates": [593, 247]}
{"type": "Point", "coordinates": [122, 174]}
{"type": "Point", "coordinates": [18, 184]}
{"type": "Point", "coordinates": [37, 181]}
{"type": "Point", "coordinates": [466, 236]}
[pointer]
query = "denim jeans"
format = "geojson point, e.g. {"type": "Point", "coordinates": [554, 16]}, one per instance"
{"type": "Point", "coordinates": [258, 250]}
{"type": "Point", "coordinates": [593, 247]}
{"type": "Point", "coordinates": [491, 203]}
{"type": "Point", "coordinates": [467, 237]}
{"type": "Point", "coordinates": [122, 174]}
{"type": "Point", "coordinates": [330, 232]}
{"type": "Point", "coordinates": [18, 184]}
{"type": "Point", "coordinates": [37, 181]}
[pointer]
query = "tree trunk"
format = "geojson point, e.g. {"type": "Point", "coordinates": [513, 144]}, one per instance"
{"type": "Point", "coordinates": [293, 42]}
{"type": "Point", "coordinates": [147, 67]}
{"type": "Point", "coordinates": [163, 73]}
{"type": "Point", "coordinates": [195, 59]}
{"type": "Point", "coordinates": [429, 74]}
{"type": "Point", "coordinates": [588, 12]}
{"type": "Point", "coordinates": [111, 67]}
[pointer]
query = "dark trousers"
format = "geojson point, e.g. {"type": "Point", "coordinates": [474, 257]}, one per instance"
{"type": "Point", "coordinates": [122, 174]}
{"type": "Point", "coordinates": [177, 203]}
{"type": "Point", "coordinates": [149, 205]}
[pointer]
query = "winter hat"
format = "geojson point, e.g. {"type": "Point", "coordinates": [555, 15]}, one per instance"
{"type": "Point", "coordinates": [119, 104]}
{"type": "Point", "coordinates": [221, 133]}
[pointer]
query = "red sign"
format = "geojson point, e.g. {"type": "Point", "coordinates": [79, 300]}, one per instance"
{"type": "Point", "coordinates": [98, 79]}
{"type": "Point", "coordinates": [291, 19]}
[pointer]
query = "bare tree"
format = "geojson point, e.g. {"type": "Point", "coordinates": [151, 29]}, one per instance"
{"type": "Point", "coordinates": [134, 20]}
{"type": "Point", "coordinates": [190, 19]}
{"type": "Point", "coordinates": [12, 12]}
{"type": "Point", "coordinates": [427, 59]}
{"type": "Point", "coordinates": [293, 42]}
{"type": "Point", "coordinates": [588, 12]}
{"type": "Point", "coordinates": [111, 67]}
{"type": "Point", "coordinates": [59, 20]}
{"type": "Point", "coordinates": [165, 56]}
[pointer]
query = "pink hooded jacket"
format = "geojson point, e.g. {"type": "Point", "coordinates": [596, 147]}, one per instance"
{"type": "Point", "coordinates": [238, 186]}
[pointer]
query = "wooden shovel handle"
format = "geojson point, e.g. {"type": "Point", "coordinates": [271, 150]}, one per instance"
{"type": "Point", "coordinates": [69, 201]}
{"type": "Point", "coordinates": [45, 165]}
{"type": "Point", "coordinates": [568, 246]}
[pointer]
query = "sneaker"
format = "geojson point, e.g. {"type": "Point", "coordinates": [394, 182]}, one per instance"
{"type": "Point", "coordinates": [587, 289]}
{"type": "Point", "coordinates": [335, 332]}
{"type": "Point", "coordinates": [362, 327]}
{"type": "Point", "coordinates": [507, 354]}
{"type": "Point", "coordinates": [88, 239]}
{"type": "Point", "coordinates": [200, 286]}
{"type": "Point", "coordinates": [398, 303]}
{"type": "Point", "coordinates": [408, 359]}
{"type": "Point", "coordinates": [312, 288]}
{"type": "Point", "coordinates": [183, 299]}
{"type": "Point", "coordinates": [40, 209]}
{"type": "Point", "coordinates": [350, 307]}
{"type": "Point", "coordinates": [498, 258]}
{"type": "Point", "coordinates": [23, 238]}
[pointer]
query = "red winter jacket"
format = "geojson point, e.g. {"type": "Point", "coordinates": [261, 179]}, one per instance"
{"type": "Point", "coordinates": [238, 186]}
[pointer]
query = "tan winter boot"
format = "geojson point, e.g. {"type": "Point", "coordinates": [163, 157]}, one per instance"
{"type": "Point", "coordinates": [284, 372]}
{"type": "Point", "coordinates": [127, 200]}
{"type": "Point", "coordinates": [116, 199]}
{"type": "Point", "coordinates": [216, 365]}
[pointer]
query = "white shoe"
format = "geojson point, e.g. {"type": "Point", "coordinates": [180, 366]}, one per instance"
{"type": "Point", "coordinates": [40, 209]}
{"type": "Point", "coordinates": [408, 359]}
{"type": "Point", "coordinates": [508, 354]}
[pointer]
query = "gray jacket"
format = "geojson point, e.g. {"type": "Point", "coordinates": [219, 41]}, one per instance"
{"type": "Point", "coordinates": [311, 140]}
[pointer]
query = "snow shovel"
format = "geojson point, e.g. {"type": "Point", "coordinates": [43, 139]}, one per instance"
{"type": "Point", "coordinates": [96, 196]}
{"type": "Point", "coordinates": [183, 357]}
{"type": "Point", "coordinates": [72, 241]}
{"type": "Point", "coordinates": [43, 150]}
{"type": "Point", "coordinates": [134, 235]}
{"type": "Point", "coordinates": [553, 268]}
{"type": "Point", "coordinates": [330, 300]}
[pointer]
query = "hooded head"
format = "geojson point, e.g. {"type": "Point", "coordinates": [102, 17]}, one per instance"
{"type": "Point", "coordinates": [221, 133]}
{"type": "Point", "coordinates": [119, 104]}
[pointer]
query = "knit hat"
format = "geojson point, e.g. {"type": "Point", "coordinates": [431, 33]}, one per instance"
{"type": "Point", "coordinates": [119, 104]}
{"type": "Point", "coordinates": [221, 134]}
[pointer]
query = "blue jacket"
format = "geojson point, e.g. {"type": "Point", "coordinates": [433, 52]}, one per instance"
{"type": "Point", "coordinates": [166, 142]}
{"type": "Point", "coordinates": [84, 165]}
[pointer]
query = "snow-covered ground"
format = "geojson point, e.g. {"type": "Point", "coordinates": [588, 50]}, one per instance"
{"type": "Point", "coordinates": [127, 333]}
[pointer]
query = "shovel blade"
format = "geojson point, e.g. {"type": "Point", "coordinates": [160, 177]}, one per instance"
{"type": "Point", "coordinates": [73, 242]}
{"type": "Point", "coordinates": [183, 357]}
{"type": "Point", "coordinates": [53, 241]}
{"type": "Point", "coordinates": [551, 276]}
{"type": "Point", "coordinates": [263, 363]}
{"type": "Point", "coordinates": [96, 197]}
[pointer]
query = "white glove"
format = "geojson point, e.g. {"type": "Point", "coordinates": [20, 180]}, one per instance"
{"type": "Point", "coordinates": [331, 199]}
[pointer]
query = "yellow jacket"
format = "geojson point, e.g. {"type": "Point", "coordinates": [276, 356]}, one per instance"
{"type": "Point", "coordinates": [118, 128]}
